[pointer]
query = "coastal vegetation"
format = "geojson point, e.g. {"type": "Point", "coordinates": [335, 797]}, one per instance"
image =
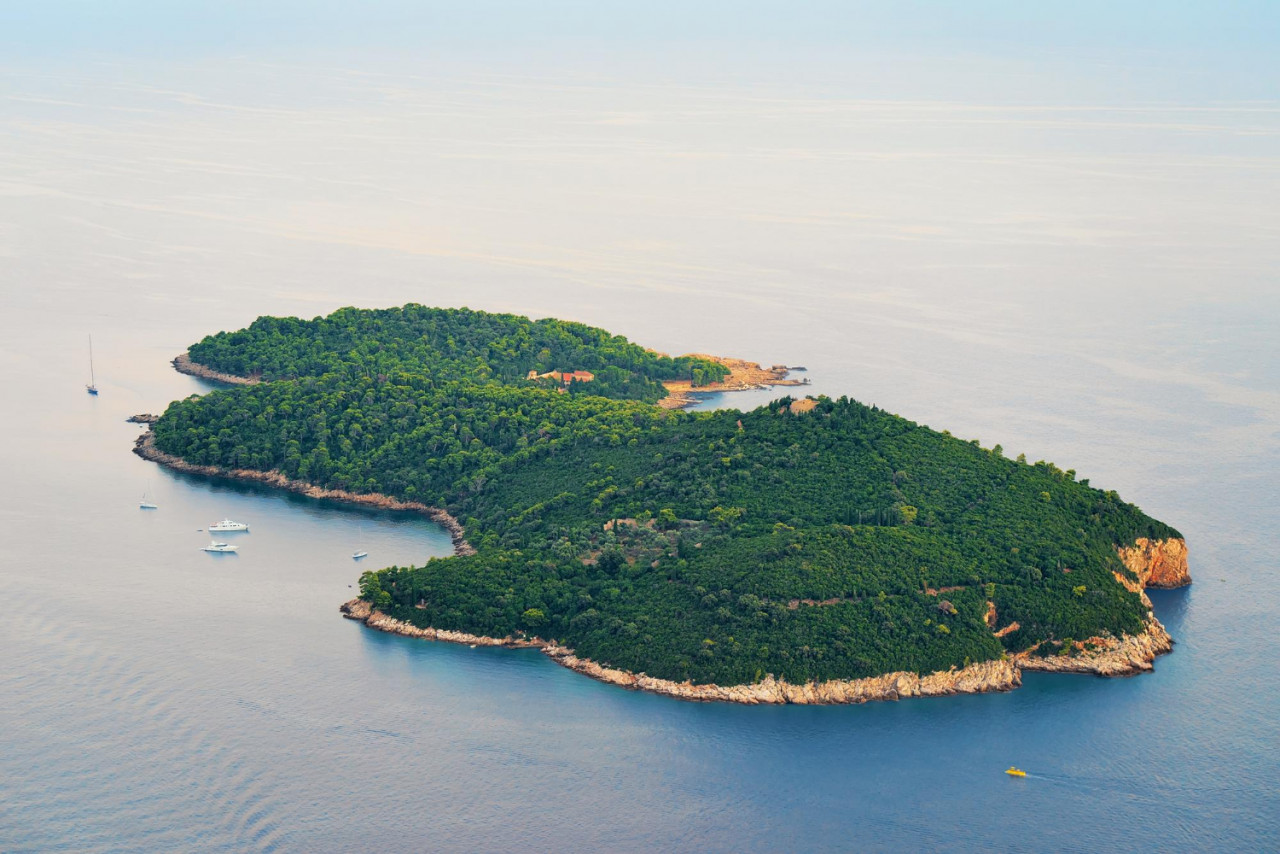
{"type": "Point", "coordinates": [460, 344]}
{"type": "Point", "coordinates": [827, 541]}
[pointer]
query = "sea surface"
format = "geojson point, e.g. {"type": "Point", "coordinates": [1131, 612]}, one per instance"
{"type": "Point", "coordinates": [1054, 234]}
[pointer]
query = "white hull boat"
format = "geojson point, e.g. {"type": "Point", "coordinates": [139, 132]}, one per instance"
{"type": "Point", "coordinates": [219, 548]}
{"type": "Point", "coordinates": [227, 525]}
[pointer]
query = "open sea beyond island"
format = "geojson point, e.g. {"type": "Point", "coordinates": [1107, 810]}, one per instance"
{"type": "Point", "coordinates": [1090, 280]}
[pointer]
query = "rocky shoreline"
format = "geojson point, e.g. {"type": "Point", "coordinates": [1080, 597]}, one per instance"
{"type": "Point", "coordinates": [183, 365]}
{"type": "Point", "coordinates": [145, 447]}
{"type": "Point", "coordinates": [986, 676]}
{"type": "Point", "coordinates": [1126, 656]}
{"type": "Point", "coordinates": [1129, 655]}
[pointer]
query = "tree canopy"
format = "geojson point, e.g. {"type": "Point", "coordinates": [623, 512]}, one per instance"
{"type": "Point", "coordinates": [457, 343]}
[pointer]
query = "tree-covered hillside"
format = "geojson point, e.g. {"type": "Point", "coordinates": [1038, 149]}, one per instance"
{"type": "Point", "coordinates": [834, 543]}
{"type": "Point", "coordinates": [457, 344]}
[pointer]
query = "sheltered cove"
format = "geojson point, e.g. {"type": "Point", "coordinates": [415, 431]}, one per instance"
{"type": "Point", "coordinates": [145, 447]}
{"type": "Point", "coordinates": [1152, 563]}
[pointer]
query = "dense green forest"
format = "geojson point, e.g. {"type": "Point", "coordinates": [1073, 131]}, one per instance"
{"type": "Point", "coordinates": [458, 344]}
{"type": "Point", "coordinates": [835, 543]}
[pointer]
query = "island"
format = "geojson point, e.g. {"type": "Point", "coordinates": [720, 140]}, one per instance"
{"type": "Point", "coordinates": [813, 550]}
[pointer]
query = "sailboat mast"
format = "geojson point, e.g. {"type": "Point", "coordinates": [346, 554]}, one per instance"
{"type": "Point", "coordinates": [92, 387]}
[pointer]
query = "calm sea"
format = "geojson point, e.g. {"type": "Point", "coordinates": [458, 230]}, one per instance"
{"type": "Point", "coordinates": [1071, 252]}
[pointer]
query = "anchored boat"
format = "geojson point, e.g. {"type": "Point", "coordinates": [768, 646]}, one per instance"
{"type": "Point", "coordinates": [217, 547]}
{"type": "Point", "coordinates": [228, 525]}
{"type": "Point", "coordinates": [92, 386]}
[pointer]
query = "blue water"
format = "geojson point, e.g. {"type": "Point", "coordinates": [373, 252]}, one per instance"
{"type": "Point", "coordinates": [1057, 235]}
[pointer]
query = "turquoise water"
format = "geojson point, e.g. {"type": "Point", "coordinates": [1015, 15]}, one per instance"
{"type": "Point", "coordinates": [1057, 238]}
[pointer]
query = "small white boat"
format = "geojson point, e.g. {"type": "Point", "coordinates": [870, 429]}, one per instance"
{"type": "Point", "coordinates": [145, 503]}
{"type": "Point", "coordinates": [228, 525]}
{"type": "Point", "coordinates": [219, 547]}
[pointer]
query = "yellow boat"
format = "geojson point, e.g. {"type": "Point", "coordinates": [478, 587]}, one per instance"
{"type": "Point", "coordinates": [1015, 772]}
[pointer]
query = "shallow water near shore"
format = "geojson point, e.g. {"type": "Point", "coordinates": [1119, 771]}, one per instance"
{"type": "Point", "coordinates": [1090, 281]}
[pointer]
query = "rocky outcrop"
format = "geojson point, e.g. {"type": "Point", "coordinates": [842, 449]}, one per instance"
{"type": "Point", "coordinates": [1151, 563]}
{"type": "Point", "coordinates": [1155, 563]}
{"type": "Point", "coordinates": [143, 418]}
{"type": "Point", "coordinates": [184, 365]}
{"type": "Point", "coordinates": [1000, 675]}
{"type": "Point", "coordinates": [1118, 656]}
{"type": "Point", "coordinates": [145, 447]}
{"type": "Point", "coordinates": [743, 376]}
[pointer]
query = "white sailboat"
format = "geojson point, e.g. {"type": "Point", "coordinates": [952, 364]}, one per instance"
{"type": "Point", "coordinates": [144, 504]}
{"type": "Point", "coordinates": [92, 387]}
{"type": "Point", "coordinates": [359, 553]}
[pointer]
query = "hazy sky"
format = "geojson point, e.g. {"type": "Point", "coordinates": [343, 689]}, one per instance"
{"type": "Point", "coordinates": [1156, 50]}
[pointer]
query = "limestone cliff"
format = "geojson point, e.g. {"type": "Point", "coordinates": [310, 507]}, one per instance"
{"type": "Point", "coordinates": [1156, 563]}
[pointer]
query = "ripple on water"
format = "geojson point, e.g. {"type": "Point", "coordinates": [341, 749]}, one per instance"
{"type": "Point", "coordinates": [123, 749]}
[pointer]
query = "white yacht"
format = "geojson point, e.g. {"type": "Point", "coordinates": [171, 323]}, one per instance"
{"type": "Point", "coordinates": [359, 554]}
{"type": "Point", "coordinates": [227, 525]}
{"type": "Point", "coordinates": [219, 547]}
